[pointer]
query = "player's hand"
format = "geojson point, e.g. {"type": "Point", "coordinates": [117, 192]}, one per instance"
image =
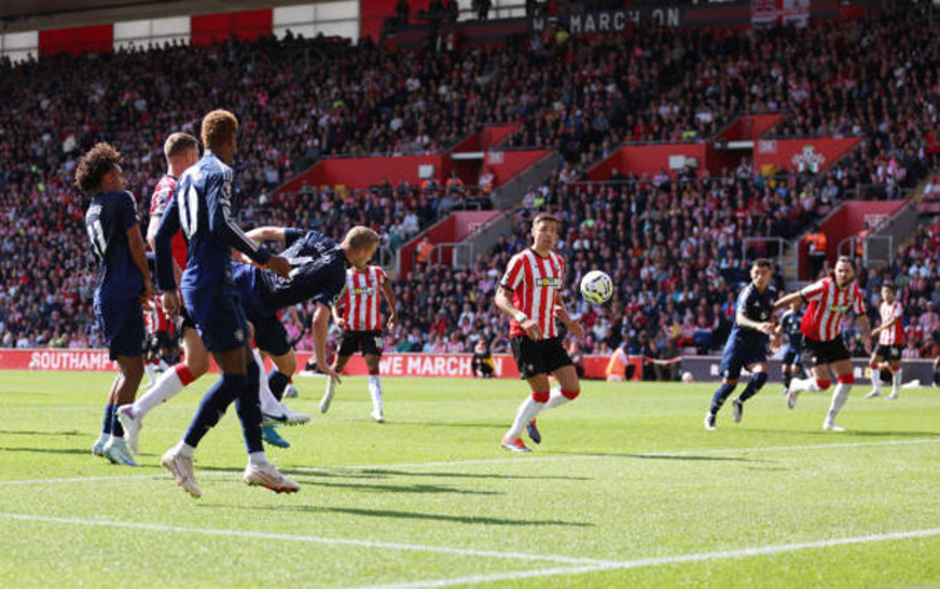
{"type": "Point", "coordinates": [279, 266]}
{"type": "Point", "coordinates": [171, 304]}
{"type": "Point", "coordinates": [775, 342]}
{"type": "Point", "coordinates": [766, 327]}
{"type": "Point", "coordinates": [241, 258]}
{"type": "Point", "coordinates": [576, 329]}
{"type": "Point", "coordinates": [532, 329]}
{"type": "Point", "coordinates": [146, 295]}
{"type": "Point", "coordinates": [329, 372]}
{"type": "Point", "coordinates": [341, 323]}
{"type": "Point", "coordinates": [392, 321]}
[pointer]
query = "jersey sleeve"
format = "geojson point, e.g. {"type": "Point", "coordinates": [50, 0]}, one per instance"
{"type": "Point", "coordinates": [163, 245]}
{"type": "Point", "coordinates": [160, 199]}
{"type": "Point", "coordinates": [514, 274]}
{"type": "Point", "coordinates": [291, 235]}
{"type": "Point", "coordinates": [380, 276]}
{"type": "Point", "coordinates": [128, 211]}
{"type": "Point", "coordinates": [221, 218]}
{"type": "Point", "coordinates": [814, 291]}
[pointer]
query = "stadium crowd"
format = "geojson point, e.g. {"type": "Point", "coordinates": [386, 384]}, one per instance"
{"type": "Point", "coordinates": [301, 99]}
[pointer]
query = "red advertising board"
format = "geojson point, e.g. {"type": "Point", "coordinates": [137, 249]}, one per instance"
{"type": "Point", "coordinates": [405, 365]}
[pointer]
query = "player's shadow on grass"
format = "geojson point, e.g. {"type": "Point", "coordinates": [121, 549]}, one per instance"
{"type": "Point", "coordinates": [489, 521]}
{"type": "Point", "coordinates": [30, 433]}
{"type": "Point", "coordinates": [690, 457]}
{"type": "Point", "coordinates": [493, 426]}
{"type": "Point", "coordinates": [80, 451]}
{"type": "Point", "coordinates": [464, 475]}
{"type": "Point", "coordinates": [371, 488]}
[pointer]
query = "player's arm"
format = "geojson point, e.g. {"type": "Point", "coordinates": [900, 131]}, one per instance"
{"type": "Point", "coordinates": [392, 302]}
{"type": "Point", "coordinates": [268, 233]}
{"type": "Point", "coordinates": [139, 257]}
{"type": "Point", "coordinates": [223, 225]}
{"type": "Point", "coordinates": [503, 301]}
{"type": "Point", "coordinates": [152, 227]}
{"type": "Point", "coordinates": [864, 328]}
{"type": "Point", "coordinates": [788, 300]}
{"type": "Point", "coordinates": [163, 253]}
{"type": "Point", "coordinates": [320, 327]}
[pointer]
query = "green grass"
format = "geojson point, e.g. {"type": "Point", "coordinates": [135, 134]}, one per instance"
{"type": "Point", "coordinates": [627, 489]}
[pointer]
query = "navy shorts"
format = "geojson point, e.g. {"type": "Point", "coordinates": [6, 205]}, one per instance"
{"type": "Point", "coordinates": [793, 355]}
{"type": "Point", "coordinates": [736, 358]}
{"type": "Point", "coordinates": [219, 317]}
{"type": "Point", "coordinates": [270, 334]}
{"type": "Point", "coordinates": [534, 357]}
{"type": "Point", "coordinates": [122, 326]}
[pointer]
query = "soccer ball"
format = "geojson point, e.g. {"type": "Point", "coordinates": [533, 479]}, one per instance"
{"type": "Point", "coordinates": [687, 377]}
{"type": "Point", "coordinates": [597, 287]}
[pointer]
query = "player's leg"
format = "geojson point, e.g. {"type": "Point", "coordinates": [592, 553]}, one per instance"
{"type": "Point", "coordinates": [98, 447]}
{"type": "Point", "coordinates": [895, 368]}
{"type": "Point", "coordinates": [876, 364]}
{"type": "Point", "coordinates": [279, 379]}
{"type": "Point", "coordinates": [527, 411]}
{"type": "Point", "coordinates": [730, 370]}
{"type": "Point", "coordinates": [195, 363]}
{"type": "Point", "coordinates": [259, 471]}
{"type": "Point", "coordinates": [132, 372]}
{"type": "Point", "coordinates": [844, 375]}
{"type": "Point", "coordinates": [348, 345]}
{"type": "Point", "coordinates": [372, 347]}
{"type": "Point", "coordinates": [818, 381]}
{"type": "Point", "coordinates": [759, 374]}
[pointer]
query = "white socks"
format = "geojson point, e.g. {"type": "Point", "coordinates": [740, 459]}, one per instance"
{"type": "Point", "coordinates": [150, 371]}
{"type": "Point", "coordinates": [556, 398]}
{"type": "Point", "coordinates": [258, 459]}
{"type": "Point", "coordinates": [526, 413]}
{"type": "Point", "coordinates": [896, 382]}
{"type": "Point", "coordinates": [269, 404]}
{"type": "Point", "coordinates": [804, 384]}
{"type": "Point", "coordinates": [184, 449]}
{"type": "Point", "coordinates": [839, 396]}
{"type": "Point", "coordinates": [375, 389]}
{"type": "Point", "coordinates": [167, 386]}
{"type": "Point", "coordinates": [875, 380]}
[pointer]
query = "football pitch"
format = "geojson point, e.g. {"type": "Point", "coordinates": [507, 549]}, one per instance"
{"type": "Point", "coordinates": [627, 489]}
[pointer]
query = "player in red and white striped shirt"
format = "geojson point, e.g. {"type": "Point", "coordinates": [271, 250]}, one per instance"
{"type": "Point", "coordinates": [361, 322]}
{"type": "Point", "coordinates": [830, 299]}
{"type": "Point", "coordinates": [530, 293]}
{"type": "Point", "coordinates": [890, 334]}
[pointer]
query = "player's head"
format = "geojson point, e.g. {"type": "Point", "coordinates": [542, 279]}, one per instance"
{"type": "Point", "coordinates": [181, 151]}
{"type": "Point", "coordinates": [888, 292]}
{"type": "Point", "coordinates": [761, 272]}
{"type": "Point", "coordinates": [219, 131]}
{"type": "Point", "coordinates": [844, 271]}
{"type": "Point", "coordinates": [360, 244]}
{"type": "Point", "coordinates": [99, 170]}
{"type": "Point", "coordinates": [544, 231]}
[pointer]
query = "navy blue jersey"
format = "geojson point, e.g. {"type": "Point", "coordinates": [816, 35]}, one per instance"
{"type": "Point", "coordinates": [109, 217]}
{"type": "Point", "coordinates": [318, 271]}
{"type": "Point", "coordinates": [202, 206]}
{"type": "Point", "coordinates": [756, 306]}
{"type": "Point", "coordinates": [790, 322]}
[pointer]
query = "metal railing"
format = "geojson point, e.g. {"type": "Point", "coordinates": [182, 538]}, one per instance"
{"type": "Point", "coordinates": [782, 251]}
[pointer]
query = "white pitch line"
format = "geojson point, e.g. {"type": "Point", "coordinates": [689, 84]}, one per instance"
{"type": "Point", "coordinates": [658, 561]}
{"type": "Point", "coordinates": [310, 539]}
{"type": "Point", "coordinates": [486, 461]}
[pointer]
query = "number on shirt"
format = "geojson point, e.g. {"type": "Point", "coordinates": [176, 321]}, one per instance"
{"type": "Point", "coordinates": [99, 243]}
{"type": "Point", "coordinates": [189, 212]}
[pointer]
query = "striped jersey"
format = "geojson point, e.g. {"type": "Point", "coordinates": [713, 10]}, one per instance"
{"type": "Point", "coordinates": [894, 335]}
{"type": "Point", "coordinates": [158, 203]}
{"type": "Point", "coordinates": [155, 318]}
{"type": "Point", "coordinates": [535, 283]}
{"type": "Point", "coordinates": [822, 321]}
{"type": "Point", "coordinates": [360, 301]}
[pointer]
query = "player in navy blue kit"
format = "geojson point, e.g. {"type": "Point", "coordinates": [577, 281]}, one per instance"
{"type": "Point", "coordinates": [747, 343]}
{"type": "Point", "coordinates": [123, 284]}
{"type": "Point", "coordinates": [793, 354]}
{"type": "Point", "coordinates": [318, 274]}
{"type": "Point", "coordinates": [202, 206]}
